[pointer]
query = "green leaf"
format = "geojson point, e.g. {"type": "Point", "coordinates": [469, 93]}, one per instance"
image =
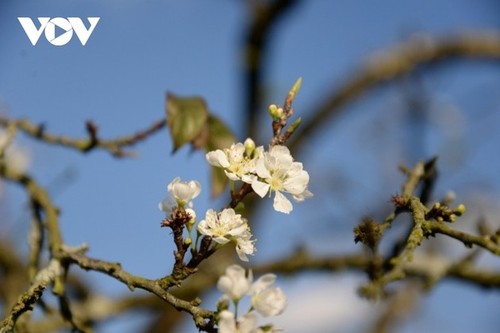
{"type": "Point", "coordinates": [186, 117]}
{"type": "Point", "coordinates": [189, 122]}
{"type": "Point", "coordinates": [219, 136]}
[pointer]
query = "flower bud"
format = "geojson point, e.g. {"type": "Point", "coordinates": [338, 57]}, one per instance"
{"type": "Point", "coordinates": [460, 210]}
{"type": "Point", "coordinates": [275, 111]}
{"type": "Point", "coordinates": [296, 87]}
{"type": "Point", "coordinates": [192, 219]}
{"type": "Point", "coordinates": [294, 125]}
{"type": "Point", "coordinates": [249, 147]}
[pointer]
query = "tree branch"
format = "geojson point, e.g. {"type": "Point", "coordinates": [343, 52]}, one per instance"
{"type": "Point", "coordinates": [39, 197]}
{"type": "Point", "coordinates": [113, 146]}
{"type": "Point", "coordinates": [114, 270]}
{"type": "Point", "coordinates": [385, 67]}
{"type": "Point", "coordinates": [31, 296]}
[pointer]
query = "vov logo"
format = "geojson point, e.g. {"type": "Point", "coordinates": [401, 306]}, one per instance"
{"type": "Point", "coordinates": [66, 28]}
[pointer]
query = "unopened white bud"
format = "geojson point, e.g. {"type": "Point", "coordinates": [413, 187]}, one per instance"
{"type": "Point", "coordinates": [249, 147]}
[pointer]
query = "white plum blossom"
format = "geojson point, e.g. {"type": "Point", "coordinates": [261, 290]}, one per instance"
{"type": "Point", "coordinates": [277, 172]}
{"type": "Point", "coordinates": [222, 226]}
{"type": "Point", "coordinates": [184, 192]}
{"type": "Point", "coordinates": [227, 226]}
{"type": "Point", "coordinates": [267, 171]}
{"type": "Point", "coordinates": [235, 283]}
{"type": "Point", "coordinates": [181, 194]}
{"type": "Point", "coordinates": [238, 161]}
{"type": "Point", "coordinates": [267, 300]}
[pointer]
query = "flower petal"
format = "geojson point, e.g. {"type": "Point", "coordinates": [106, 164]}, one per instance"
{"type": "Point", "coordinates": [245, 246]}
{"type": "Point", "coordinates": [260, 188]}
{"type": "Point", "coordinates": [217, 158]}
{"type": "Point", "coordinates": [263, 282]}
{"type": "Point", "coordinates": [304, 195]}
{"type": "Point", "coordinates": [247, 323]}
{"type": "Point", "coordinates": [231, 175]}
{"type": "Point", "coordinates": [166, 205]}
{"type": "Point", "coordinates": [220, 240]}
{"type": "Point", "coordinates": [195, 188]}
{"type": "Point", "coordinates": [281, 203]}
{"type": "Point", "coordinates": [260, 167]}
{"type": "Point", "coordinates": [227, 323]}
{"type": "Point", "coordinates": [296, 183]}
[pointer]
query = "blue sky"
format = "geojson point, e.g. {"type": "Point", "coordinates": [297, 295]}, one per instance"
{"type": "Point", "coordinates": [141, 49]}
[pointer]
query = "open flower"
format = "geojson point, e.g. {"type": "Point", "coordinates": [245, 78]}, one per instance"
{"type": "Point", "coordinates": [235, 283]}
{"type": "Point", "coordinates": [184, 192]}
{"type": "Point", "coordinates": [238, 161]}
{"type": "Point", "coordinates": [267, 300]}
{"type": "Point", "coordinates": [227, 226]}
{"type": "Point", "coordinates": [277, 172]}
{"type": "Point", "coordinates": [181, 194]}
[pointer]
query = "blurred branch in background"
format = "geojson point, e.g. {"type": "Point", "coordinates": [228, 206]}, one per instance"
{"type": "Point", "coordinates": [264, 16]}
{"type": "Point", "coordinates": [391, 64]}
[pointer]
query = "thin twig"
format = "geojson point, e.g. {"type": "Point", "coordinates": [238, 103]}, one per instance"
{"type": "Point", "coordinates": [92, 142]}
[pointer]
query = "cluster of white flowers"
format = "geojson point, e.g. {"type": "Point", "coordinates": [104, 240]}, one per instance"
{"type": "Point", "coordinates": [227, 226]}
{"type": "Point", "coordinates": [223, 227]}
{"type": "Point", "coordinates": [265, 300]}
{"type": "Point", "coordinates": [267, 171]}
